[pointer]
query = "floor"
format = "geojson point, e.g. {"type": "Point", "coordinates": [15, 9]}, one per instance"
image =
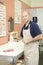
{"type": "Point", "coordinates": [21, 61]}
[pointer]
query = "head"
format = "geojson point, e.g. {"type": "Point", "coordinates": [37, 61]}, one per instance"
{"type": "Point", "coordinates": [26, 17]}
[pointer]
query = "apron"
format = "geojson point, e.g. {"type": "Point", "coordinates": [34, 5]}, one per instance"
{"type": "Point", "coordinates": [31, 50]}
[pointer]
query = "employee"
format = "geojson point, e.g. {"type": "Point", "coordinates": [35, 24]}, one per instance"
{"type": "Point", "coordinates": [30, 34]}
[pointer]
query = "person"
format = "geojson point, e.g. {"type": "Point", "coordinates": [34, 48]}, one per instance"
{"type": "Point", "coordinates": [30, 34]}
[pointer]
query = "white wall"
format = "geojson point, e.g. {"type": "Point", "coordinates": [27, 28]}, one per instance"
{"type": "Point", "coordinates": [39, 13]}
{"type": "Point", "coordinates": [40, 17]}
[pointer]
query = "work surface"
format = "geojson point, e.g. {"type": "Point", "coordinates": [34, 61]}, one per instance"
{"type": "Point", "coordinates": [14, 48]}
{"type": "Point", "coordinates": [11, 49]}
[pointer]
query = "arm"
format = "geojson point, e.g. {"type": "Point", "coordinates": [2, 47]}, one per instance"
{"type": "Point", "coordinates": [38, 37]}
{"type": "Point", "coordinates": [38, 33]}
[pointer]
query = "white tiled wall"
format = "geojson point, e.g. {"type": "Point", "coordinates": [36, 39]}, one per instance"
{"type": "Point", "coordinates": [39, 13]}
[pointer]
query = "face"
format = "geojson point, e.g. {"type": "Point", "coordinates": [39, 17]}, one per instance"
{"type": "Point", "coordinates": [25, 17]}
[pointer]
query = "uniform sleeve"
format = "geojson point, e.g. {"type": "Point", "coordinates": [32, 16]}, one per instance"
{"type": "Point", "coordinates": [37, 30]}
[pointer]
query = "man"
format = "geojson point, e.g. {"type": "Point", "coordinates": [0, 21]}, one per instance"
{"type": "Point", "coordinates": [31, 34]}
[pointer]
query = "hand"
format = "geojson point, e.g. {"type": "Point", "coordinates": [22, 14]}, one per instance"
{"type": "Point", "coordinates": [25, 40]}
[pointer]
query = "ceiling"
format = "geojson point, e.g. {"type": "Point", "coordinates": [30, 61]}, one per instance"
{"type": "Point", "coordinates": [34, 3]}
